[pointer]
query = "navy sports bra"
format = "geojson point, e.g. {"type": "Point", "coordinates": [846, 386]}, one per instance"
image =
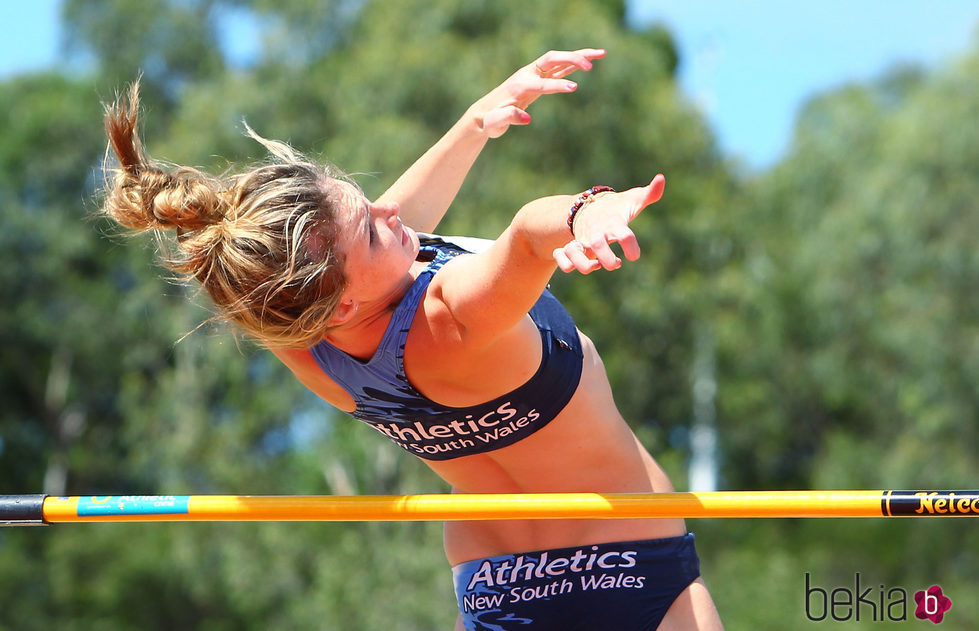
{"type": "Point", "coordinates": [390, 404]}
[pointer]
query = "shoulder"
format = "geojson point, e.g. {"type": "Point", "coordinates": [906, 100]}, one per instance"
{"type": "Point", "coordinates": [306, 369]}
{"type": "Point", "coordinates": [296, 359]}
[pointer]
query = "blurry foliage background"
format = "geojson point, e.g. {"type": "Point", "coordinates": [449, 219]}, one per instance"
{"type": "Point", "coordinates": [833, 298]}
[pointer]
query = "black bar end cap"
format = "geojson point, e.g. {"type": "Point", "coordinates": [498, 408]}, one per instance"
{"type": "Point", "coordinates": [22, 510]}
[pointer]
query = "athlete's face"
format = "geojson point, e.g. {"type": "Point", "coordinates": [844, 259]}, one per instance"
{"type": "Point", "coordinates": [378, 248]}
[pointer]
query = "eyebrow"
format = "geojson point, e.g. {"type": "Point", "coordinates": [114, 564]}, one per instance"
{"type": "Point", "coordinates": [367, 222]}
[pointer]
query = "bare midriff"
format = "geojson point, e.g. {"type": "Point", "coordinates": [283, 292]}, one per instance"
{"type": "Point", "coordinates": [588, 447]}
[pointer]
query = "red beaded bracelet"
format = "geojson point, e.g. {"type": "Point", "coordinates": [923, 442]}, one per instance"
{"type": "Point", "coordinates": [583, 199]}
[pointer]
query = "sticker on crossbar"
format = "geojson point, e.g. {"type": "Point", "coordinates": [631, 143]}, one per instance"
{"type": "Point", "coordinates": [925, 503]}
{"type": "Point", "coordinates": [133, 505]}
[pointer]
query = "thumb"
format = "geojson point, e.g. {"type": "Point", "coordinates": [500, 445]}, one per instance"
{"type": "Point", "coordinates": [654, 190]}
{"type": "Point", "coordinates": [497, 121]}
{"type": "Point", "coordinates": [647, 195]}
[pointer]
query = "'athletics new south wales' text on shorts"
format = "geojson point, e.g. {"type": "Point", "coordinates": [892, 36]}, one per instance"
{"type": "Point", "coordinates": [623, 586]}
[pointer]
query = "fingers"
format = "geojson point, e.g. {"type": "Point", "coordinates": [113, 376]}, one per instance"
{"type": "Point", "coordinates": [573, 257]}
{"type": "Point", "coordinates": [562, 260]}
{"type": "Point", "coordinates": [546, 75]}
{"type": "Point", "coordinates": [561, 63]}
{"type": "Point", "coordinates": [592, 53]}
{"type": "Point", "coordinates": [628, 242]}
{"type": "Point", "coordinates": [545, 85]}
{"type": "Point", "coordinates": [576, 256]}
{"type": "Point", "coordinates": [603, 254]}
{"type": "Point", "coordinates": [530, 89]}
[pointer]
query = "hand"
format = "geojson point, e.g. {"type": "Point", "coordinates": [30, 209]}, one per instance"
{"type": "Point", "coordinates": [603, 221]}
{"type": "Point", "coordinates": [507, 104]}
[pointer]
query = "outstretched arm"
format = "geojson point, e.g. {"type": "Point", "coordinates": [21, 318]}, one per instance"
{"type": "Point", "coordinates": [426, 189]}
{"type": "Point", "coordinates": [490, 292]}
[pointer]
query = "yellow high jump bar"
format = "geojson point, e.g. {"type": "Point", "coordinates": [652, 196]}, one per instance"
{"type": "Point", "coordinates": [43, 509]}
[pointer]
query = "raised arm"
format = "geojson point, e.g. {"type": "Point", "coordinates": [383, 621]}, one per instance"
{"type": "Point", "coordinates": [490, 292]}
{"type": "Point", "coordinates": [426, 189]}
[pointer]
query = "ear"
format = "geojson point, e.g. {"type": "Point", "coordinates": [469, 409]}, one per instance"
{"type": "Point", "coordinates": [345, 310]}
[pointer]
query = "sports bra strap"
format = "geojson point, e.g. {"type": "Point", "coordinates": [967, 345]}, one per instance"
{"type": "Point", "coordinates": [392, 346]}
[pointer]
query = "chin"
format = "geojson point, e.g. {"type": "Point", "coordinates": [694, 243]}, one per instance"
{"type": "Point", "coordinates": [413, 242]}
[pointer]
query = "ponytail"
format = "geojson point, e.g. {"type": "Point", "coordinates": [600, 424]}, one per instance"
{"type": "Point", "coordinates": [245, 238]}
{"type": "Point", "coordinates": [144, 195]}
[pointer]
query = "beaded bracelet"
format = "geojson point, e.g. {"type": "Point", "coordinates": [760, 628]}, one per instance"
{"type": "Point", "coordinates": [582, 200]}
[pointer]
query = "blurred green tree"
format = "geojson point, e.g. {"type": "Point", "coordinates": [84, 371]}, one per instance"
{"type": "Point", "coordinates": [834, 292]}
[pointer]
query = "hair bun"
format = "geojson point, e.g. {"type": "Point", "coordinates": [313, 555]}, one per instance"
{"type": "Point", "coordinates": [185, 199]}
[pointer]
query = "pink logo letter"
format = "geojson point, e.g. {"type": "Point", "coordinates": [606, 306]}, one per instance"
{"type": "Point", "coordinates": [932, 604]}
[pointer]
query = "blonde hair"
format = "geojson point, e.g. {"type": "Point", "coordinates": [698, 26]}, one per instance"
{"type": "Point", "coordinates": [262, 243]}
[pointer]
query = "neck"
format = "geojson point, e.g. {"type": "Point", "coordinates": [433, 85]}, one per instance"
{"type": "Point", "coordinates": [361, 334]}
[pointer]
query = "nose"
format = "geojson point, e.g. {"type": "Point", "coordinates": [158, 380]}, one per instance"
{"type": "Point", "coordinates": [390, 212]}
